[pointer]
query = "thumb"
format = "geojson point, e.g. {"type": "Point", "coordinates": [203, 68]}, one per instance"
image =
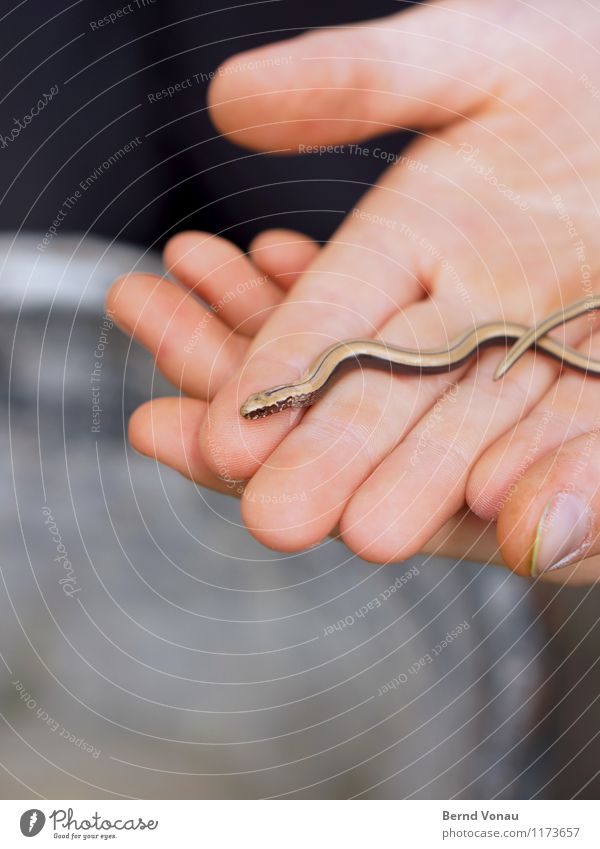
{"type": "Point", "coordinates": [417, 68]}
{"type": "Point", "coordinates": [552, 520]}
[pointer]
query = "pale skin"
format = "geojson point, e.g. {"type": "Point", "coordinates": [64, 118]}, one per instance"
{"type": "Point", "coordinates": [469, 227]}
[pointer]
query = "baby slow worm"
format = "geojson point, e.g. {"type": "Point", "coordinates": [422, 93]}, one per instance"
{"type": "Point", "coordinates": [366, 352]}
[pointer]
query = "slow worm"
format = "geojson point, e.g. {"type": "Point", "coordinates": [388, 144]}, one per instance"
{"type": "Point", "coordinates": [365, 352]}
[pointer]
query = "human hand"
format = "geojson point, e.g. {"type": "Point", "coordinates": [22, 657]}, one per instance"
{"type": "Point", "coordinates": [197, 349]}
{"type": "Point", "coordinates": [490, 215]}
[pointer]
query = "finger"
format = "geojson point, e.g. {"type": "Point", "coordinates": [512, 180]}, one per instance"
{"type": "Point", "coordinates": [192, 347]}
{"type": "Point", "coordinates": [166, 429]}
{"type": "Point", "coordinates": [301, 492]}
{"type": "Point", "coordinates": [301, 329]}
{"type": "Point", "coordinates": [283, 255]}
{"type": "Point", "coordinates": [550, 524]}
{"type": "Point", "coordinates": [419, 68]}
{"type": "Point", "coordinates": [568, 409]}
{"type": "Point", "coordinates": [421, 484]}
{"type": "Point", "coordinates": [374, 265]}
{"type": "Point", "coordinates": [223, 276]}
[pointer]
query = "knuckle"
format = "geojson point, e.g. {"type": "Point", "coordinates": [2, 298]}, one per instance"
{"type": "Point", "coordinates": [349, 432]}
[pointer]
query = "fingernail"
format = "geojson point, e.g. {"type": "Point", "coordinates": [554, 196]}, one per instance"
{"type": "Point", "coordinates": [563, 533]}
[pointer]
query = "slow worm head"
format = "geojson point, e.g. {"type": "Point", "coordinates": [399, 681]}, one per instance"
{"type": "Point", "coordinates": [270, 401]}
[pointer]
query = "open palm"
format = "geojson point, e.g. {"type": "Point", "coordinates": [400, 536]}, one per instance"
{"type": "Point", "coordinates": [489, 215]}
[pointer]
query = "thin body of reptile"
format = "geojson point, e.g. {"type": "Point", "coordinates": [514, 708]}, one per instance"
{"type": "Point", "coordinates": [366, 352]}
